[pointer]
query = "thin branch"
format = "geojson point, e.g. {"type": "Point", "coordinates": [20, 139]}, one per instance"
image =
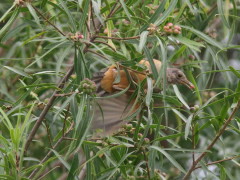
{"type": "Point", "coordinates": [49, 22]}
{"type": "Point", "coordinates": [117, 38]}
{"type": "Point", "coordinates": [93, 23]}
{"type": "Point", "coordinates": [219, 161]}
{"type": "Point", "coordinates": [143, 73]}
{"type": "Point", "coordinates": [146, 160]}
{"type": "Point", "coordinates": [213, 142]}
{"type": "Point", "coordinates": [193, 143]}
{"type": "Point", "coordinates": [89, 22]}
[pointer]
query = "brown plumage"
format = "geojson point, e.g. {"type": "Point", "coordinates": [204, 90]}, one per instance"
{"type": "Point", "coordinates": [111, 113]}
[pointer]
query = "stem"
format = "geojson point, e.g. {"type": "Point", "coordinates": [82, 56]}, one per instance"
{"type": "Point", "coordinates": [50, 151]}
{"type": "Point", "coordinates": [48, 21]}
{"type": "Point", "coordinates": [117, 38]}
{"type": "Point", "coordinates": [148, 170]}
{"type": "Point", "coordinates": [216, 162]}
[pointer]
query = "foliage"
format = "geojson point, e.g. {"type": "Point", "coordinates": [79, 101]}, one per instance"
{"type": "Point", "coordinates": [48, 47]}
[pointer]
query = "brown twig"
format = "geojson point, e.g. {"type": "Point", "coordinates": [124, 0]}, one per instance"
{"type": "Point", "coordinates": [93, 23]}
{"type": "Point", "coordinates": [117, 38]}
{"type": "Point", "coordinates": [49, 22]}
{"type": "Point", "coordinates": [143, 73]}
{"type": "Point", "coordinates": [219, 161]}
{"type": "Point", "coordinates": [212, 143]}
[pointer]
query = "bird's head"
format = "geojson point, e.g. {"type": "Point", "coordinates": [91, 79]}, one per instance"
{"type": "Point", "coordinates": [176, 76]}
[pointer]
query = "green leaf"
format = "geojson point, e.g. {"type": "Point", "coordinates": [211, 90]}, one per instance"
{"type": "Point", "coordinates": [150, 59]}
{"type": "Point", "coordinates": [169, 157]}
{"type": "Point", "coordinates": [234, 71]}
{"type": "Point", "coordinates": [180, 115]}
{"type": "Point", "coordinates": [204, 37]}
{"type": "Point", "coordinates": [149, 91]}
{"type": "Point", "coordinates": [17, 71]}
{"type": "Point", "coordinates": [188, 126]}
{"type": "Point", "coordinates": [189, 43]}
{"type": "Point", "coordinates": [179, 95]}
{"type": "Point", "coordinates": [155, 16]}
{"type": "Point", "coordinates": [168, 137]}
{"type": "Point", "coordinates": [84, 15]}
{"type": "Point", "coordinates": [33, 13]}
{"type": "Point", "coordinates": [222, 14]}
{"type": "Point", "coordinates": [74, 167]}
{"type": "Point", "coordinates": [7, 121]}
{"type": "Point", "coordinates": [177, 54]}
{"type": "Point", "coordinates": [33, 37]}
{"type": "Point", "coordinates": [7, 12]}
{"type": "Point", "coordinates": [69, 14]}
{"type": "Point", "coordinates": [166, 13]}
{"type": "Point", "coordinates": [126, 9]}
{"type": "Point", "coordinates": [9, 23]}
{"type": "Point", "coordinates": [38, 59]}
{"type": "Point", "coordinates": [65, 163]}
{"type": "Point", "coordinates": [143, 40]}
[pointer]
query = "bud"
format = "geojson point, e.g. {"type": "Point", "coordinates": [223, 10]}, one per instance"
{"type": "Point", "coordinates": [146, 141]}
{"type": "Point", "coordinates": [128, 127]}
{"type": "Point", "coordinates": [140, 135]}
{"type": "Point", "coordinates": [20, 2]}
{"type": "Point", "coordinates": [194, 108]}
{"type": "Point", "coordinates": [105, 31]}
{"type": "Point", "coordinates": [152, 28]}
{"type": "Point", "coordinates": [87, 86]}
{"type": "Point", "coordinates": [177, 27]}
{"type": "Point", "coordinates": [170, 24]}
{"type": "Point", "coordinates": [175, 31]}
{"type": "Point", "coordinates": [192, 57]}
{"type": "Point", "coordinates": [40, 105]}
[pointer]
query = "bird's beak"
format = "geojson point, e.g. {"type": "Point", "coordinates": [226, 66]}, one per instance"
{"type": "Point", "coordinates": [187, 83]}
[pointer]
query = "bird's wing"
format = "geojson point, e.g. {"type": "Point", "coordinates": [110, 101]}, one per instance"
{"type": "Point", "coordinates": [109, 113]}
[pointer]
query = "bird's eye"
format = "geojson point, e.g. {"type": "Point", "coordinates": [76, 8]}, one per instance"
{"type": "Point", "coordinates": [179, 75]}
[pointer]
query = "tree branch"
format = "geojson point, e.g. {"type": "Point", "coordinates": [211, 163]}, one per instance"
{"type": "Point", "coordinates": [219, 161]}
{"type": "Point", "coordinates": [49, 22]}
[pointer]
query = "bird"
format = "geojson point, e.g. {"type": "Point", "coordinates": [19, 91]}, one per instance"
{"type": "Point", "coordinates": [112, 112]}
